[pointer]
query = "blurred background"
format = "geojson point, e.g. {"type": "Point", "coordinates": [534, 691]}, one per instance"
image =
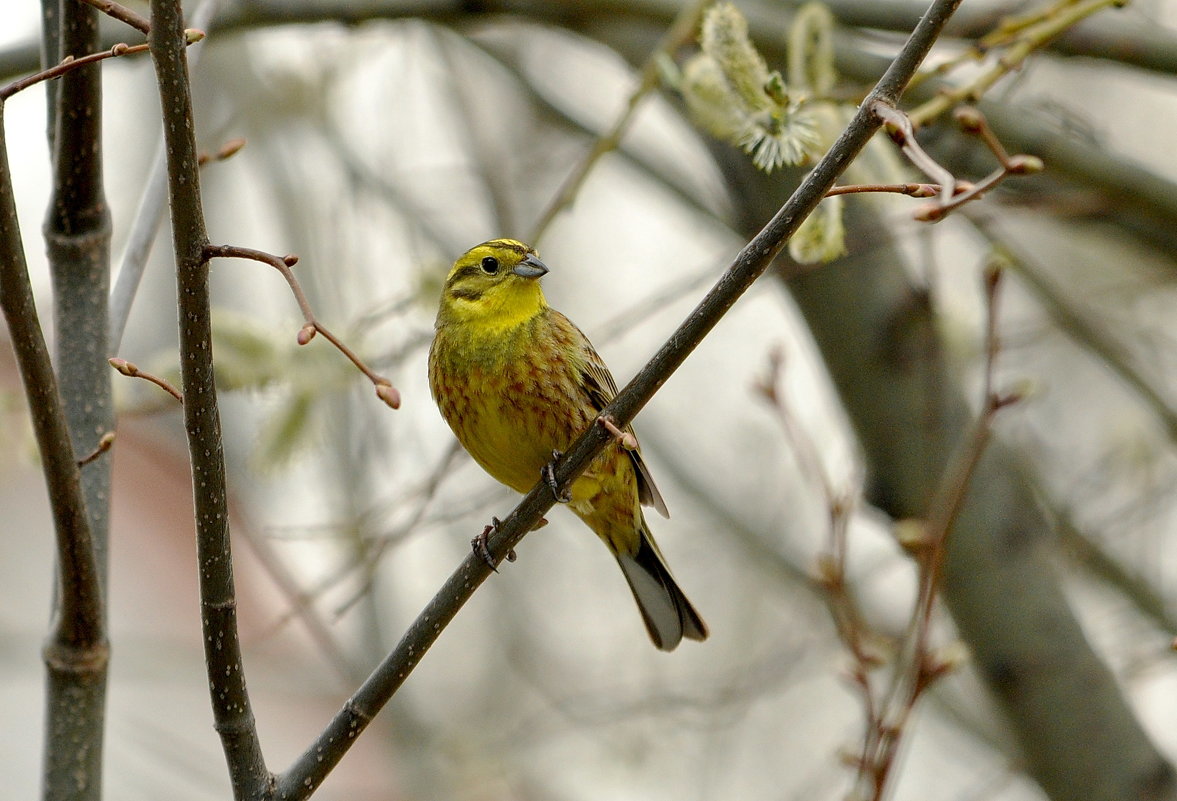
{"type": "Point", "coordinates": [382, 140]}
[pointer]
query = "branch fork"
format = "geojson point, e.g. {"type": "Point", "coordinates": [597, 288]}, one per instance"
{"type": "Point", "coordinates": [952, 193]}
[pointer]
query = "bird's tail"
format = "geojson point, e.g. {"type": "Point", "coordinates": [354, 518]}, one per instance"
{"type": "Point", "coordinates": [669, 616]}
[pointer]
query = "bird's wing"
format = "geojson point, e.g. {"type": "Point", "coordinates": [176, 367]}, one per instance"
{"type": "Point", "coordinates": [601, 389]}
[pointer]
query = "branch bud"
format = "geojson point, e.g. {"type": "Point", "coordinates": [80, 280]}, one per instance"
{"type": "Point", "coordinates": [387, 393]}
{"type": "Point", "coordinates": [912, 535]}
{"type": "Point", "coordinates": [929, 212]}
{"type": "Point", "coordinates": [1024, 165]}
{"type": "Point", "coordinates": [969, 119]}
{"type": "Point", "coordinates": [123, 366]}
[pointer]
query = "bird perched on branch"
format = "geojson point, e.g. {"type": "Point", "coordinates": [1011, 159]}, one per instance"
{"type": "Point", "coordinates": [518, 383]}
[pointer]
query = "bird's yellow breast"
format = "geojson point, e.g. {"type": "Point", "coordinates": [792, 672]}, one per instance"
{"type": "Point", "coordinates": [508, 394]}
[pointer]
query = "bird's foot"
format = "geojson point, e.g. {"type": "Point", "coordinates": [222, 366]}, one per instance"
{"type": "Point", "coordinates": [627, 439]}
{"type": "Point", "coordinates": [549, 475]}
{"type": "Point", "coordinates": [480, 545]}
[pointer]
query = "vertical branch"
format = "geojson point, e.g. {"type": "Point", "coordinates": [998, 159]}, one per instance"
{"type": "Point", "coordinates": [77, 236]}
{"type": "Point", "coordinates": [149, 213]}
{"type": "Point", "coordinates": [76, 651]}
{"type": "Point", "coordinates": [218, 602]}
{"type": "Point", "coordinates": [50, 55]}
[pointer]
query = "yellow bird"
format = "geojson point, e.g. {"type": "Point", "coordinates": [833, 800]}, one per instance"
{"type": "Point", "coordinates": [516, 381]}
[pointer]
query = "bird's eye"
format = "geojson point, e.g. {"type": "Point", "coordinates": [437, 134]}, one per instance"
{"type": "Point", "coordinates": [490, 265]}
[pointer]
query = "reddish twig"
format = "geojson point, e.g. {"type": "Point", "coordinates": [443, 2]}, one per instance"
{"type": "Point", "coordinates": [132, 370]}
{"type": "Point", "coordinates": [384, 388]}
{"type": "Point", "coordinates": [919, 666]}
{"type": "Point", "coordinates": [102, 447]}
{"type": "Point", "coordinates": [887, 712]}
{"type": "Point", "coordinates": [70, 63]}
{"type": "Point", "coordinates": [227, 150]}
{"type": "Point", "coordinates": [912, 190]}
{"type": "Point", "coordinates": [850, 623]}
{"type": "Point", "coordinates": [952, 193]}
{"type": "Point", "coordinates": [898, 127]}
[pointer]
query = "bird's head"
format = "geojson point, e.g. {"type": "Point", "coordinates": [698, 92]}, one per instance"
{"type": "Point", "coordinates": [496, 282]}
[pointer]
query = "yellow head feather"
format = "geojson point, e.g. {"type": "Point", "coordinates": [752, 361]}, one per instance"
{"type": "Point", "coordinates": [495, 284]}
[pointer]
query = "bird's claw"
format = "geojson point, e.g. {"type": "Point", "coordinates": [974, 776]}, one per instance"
{"type": "Point", "coordinates": [549, 475]}
{"type": "Point", "coordinates": [480, 545]}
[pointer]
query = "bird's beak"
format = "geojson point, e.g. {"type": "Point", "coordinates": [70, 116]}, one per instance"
{"type": "Point", "coordinates": [530, 267]}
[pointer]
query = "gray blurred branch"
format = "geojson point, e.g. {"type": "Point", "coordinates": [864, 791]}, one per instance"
{"type": "Point", "coordinates": [76, 652]}
{"type": "Point", "coordinates": [77, 238]}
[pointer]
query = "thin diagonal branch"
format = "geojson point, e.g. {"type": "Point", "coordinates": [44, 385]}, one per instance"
{"type": "Point", "coordinates": [131, 370]}
{"type": "Point", "coordinates": [218, 602]}
{"type": "Point", "coordinates": [308, 772]}
{"type": "Point", "coordinates": [69, 65]}
{"type": "Point", "coordinates": [121, 13]}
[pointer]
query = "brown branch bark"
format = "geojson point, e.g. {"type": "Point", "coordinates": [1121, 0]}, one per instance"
{"type": "Point", "coordinates": [218, 601]}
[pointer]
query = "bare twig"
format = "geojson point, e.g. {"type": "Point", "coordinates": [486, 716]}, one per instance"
{"type": "Point", "coordinates": [67, 65]}
{"type": "Point", "coordinates": [624, 438]}
{"type": "Point", "coordinates": [70, 63]}
{"type": "Point", "coordinates": [103, 446]}
{"type": "Point", "coordinates": [78, 623]}
{"type": "Point", "coordinates": [131, 370]}
{"type": "Point", "coordinates": [384, 388]}
{"type": "Point", "coordinates": [900, 128]}
{"type": "Point", "coordinates": [1084, 327]}
{"type": "Point", "coordinates": [919, 665]}
{"type": "Point", "coordinates": [912, 190]}
{"type": "Point", "coordinates": [308, 772]}
{"type": "Point", "coordinates": [953, 193]}
{"type": "Point", "coordinates": [831, 578]}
